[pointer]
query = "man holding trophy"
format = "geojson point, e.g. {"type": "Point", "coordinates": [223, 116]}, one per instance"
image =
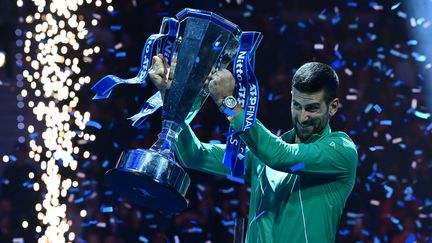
{"type": "Point", "coordinates": [300, 181]}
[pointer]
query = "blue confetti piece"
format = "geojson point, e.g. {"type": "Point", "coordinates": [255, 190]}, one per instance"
{"type": "Point", "coordinates": [353, 26]}
{"type": "Point", "coordinates": [336, 64]}
{"type": "Point", "coordinates": [336, 19]}
{"type": "Point", "coordinates": [371, 36]}
{"type": "Point", "coordinates": [270, 96]}
{"type": "Point", "coordinates": [196, 126]}
{"type": "Point", "coordinates": [389, 191]}
{"type": "Point", "coordinates": [373, 4]}
{"type": "Point", "coordinates": [90, 40]}
{"type": "Point", "coordinates": [120, 54]}
{"type": "Point", "coordinates": [398, 54]}
{"type": "Point", "coordinates": [352, 4]}
{"type": "Point", "coordinates": [133, 69]}
{"type": "Point", "coordinates": [381, 56]}
{"type": "Point", "coordinates": [422, 115]}
{"type": "Point", "coordinates": [234, 202]}
{"type": "Point", "coordinates": [395, 6]}
{"type": "Point", "coordinates": [85, 164]}
{"type": "Point", "coordinates": [79, 200]}
{"type": "Point", "coordinates": [12, 157]}
{"type": "Point", "coordinates": [351, 222]}
{"type": "Point", "coordinates": [338, 54]}
{"type": "Point", "coordinates": [394, 220]}
{"type": "Point", "coordinates": [116, 27]}
{"type": "Point", "coordinates": [411, 238]}
{"type": "Point", "coordinates": [418, 57]}
{"type": "Point", "coordinates": [240, 156]}
{"type": "Point", "coordinates": [386, 122]}
{"type": "Point", "coordinates": [247, 14]}
{"type": "Point", "coordinates": [94, 124]}
{"type": "Point", "coordinates": [115, 12]}
{"type": "Point", "coordinates": [400, 203]}
{"type": "Point", "coordinates": [199, 196]}
{"type": "Point", "coordinates": [402, 14]}
{"type": "Point", "coordinates": [301, 25]}
{"type": "Point", "coordinates": [86, 183]}
{"type": "Point", "coordinates": [105, 164]}
{"type": "Point", "coordinates": [412, 42]}
{"type": "Point", "coordinates": [367, 186]}
{"type": "Point", "coordinates": [352, 132]}
{"type": "Point", "coordinates": [87, 192]}
{"type": "Point", "coordinates": [163, 14]}
{"type": "Point", "coordinates": [322, 15]}
{"type": "Point", "coordinates": [298, 166]}
{"type": "Point", "coordinates": [201, 187]}
{"type": "Point", "coordinates": [249, 7]}
{"type": "Point", "coordinates": [418, 223]}
{"type": "Point", "coordinates": [368, 108]}
{"type": "Point", "coordinates": [109, 193]}
{"type": "Point", "coordinates": [73, 190]}
{"type": "Point", "coordinates": [218, 210]}
{"type": "Point", "coordinates": [398, 83]}
{"type": "Point", "coordinates": [418, 152]}
{"type": "Point", "coordinates": [429, 127]}
{"type": "Point", "coordinates": [355, 215]}
{"type": "Point", "coordinates": [227, 222]}
{"type": "Point", "coordinates": [282, 29]}
{"type": "Point", "coordinates": [228, 190]}
{"type": "Point", "coordinates": [143, 239]}
{"type": "Point", "coordinates": [107, 209]}
{"type": "Point", "coordinates": [377, 108]}
{"type": "Point", "coordinates": [344, 232]}
{"type": "Point", "coordinates": [34, 135]}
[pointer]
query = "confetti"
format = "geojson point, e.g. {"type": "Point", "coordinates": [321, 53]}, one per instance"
{"type": "Point", "coordinates": [422, 115]}
{"type": "Point", "coordinates": [297, 167]}
{"type": "Point", "coordinates": [395, 6]}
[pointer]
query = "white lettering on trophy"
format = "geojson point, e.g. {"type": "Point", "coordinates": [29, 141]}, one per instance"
{"type": "Point", "coordinates": [250, 109]}
{"type": "Point", "coordinates": [168, 48]}
{"type": "Point", "coordinates": [239, 65]}
{"type": "Point", "coordinates": [146, 61]}
{"type": "Point", "coordinates": [233, 141]}
{"type": "Point", "coordinates": [241, 95]}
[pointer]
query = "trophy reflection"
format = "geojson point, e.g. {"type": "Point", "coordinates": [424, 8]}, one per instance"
{"type": "Point", "coordinates": [151, 177]}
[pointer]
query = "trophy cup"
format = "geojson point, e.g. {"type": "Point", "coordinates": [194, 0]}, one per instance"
{"type": "Point", "coordinates": [151, 177]}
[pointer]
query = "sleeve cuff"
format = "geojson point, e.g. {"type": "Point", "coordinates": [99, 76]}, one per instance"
{"type": "Point", "coordinates": [237, 122]}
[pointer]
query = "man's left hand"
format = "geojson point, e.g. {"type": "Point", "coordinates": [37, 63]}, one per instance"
{"type": "Point", "coordinates": [221, 84]}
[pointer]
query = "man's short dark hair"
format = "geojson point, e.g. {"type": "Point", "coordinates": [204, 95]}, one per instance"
{"type": "Point", "coordinates": [312, 77]}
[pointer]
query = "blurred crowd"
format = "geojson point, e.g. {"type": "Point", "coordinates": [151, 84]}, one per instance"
{"type": "Point", "coordinates": [382, 100]}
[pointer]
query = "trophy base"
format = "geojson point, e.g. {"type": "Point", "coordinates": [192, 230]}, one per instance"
{"type": "Point", "coordinates": [150, 179]}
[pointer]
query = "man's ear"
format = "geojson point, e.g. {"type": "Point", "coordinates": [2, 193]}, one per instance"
{"type": "Point", "coordinates": [333, 106]}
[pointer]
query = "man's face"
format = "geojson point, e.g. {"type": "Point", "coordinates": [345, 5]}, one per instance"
{"type": "Point", "coordinates": [310, 113]}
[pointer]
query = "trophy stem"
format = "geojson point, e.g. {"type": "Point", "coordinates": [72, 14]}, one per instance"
{"type": "Point", "coordinates": [166, 138]}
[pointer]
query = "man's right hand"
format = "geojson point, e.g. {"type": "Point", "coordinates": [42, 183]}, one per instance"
{"type": "Point", "coordinates": [161, 73]}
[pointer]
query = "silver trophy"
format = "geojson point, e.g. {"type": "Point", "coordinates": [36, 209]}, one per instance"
{"type": "Point", "coordinates": [151, 177]}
